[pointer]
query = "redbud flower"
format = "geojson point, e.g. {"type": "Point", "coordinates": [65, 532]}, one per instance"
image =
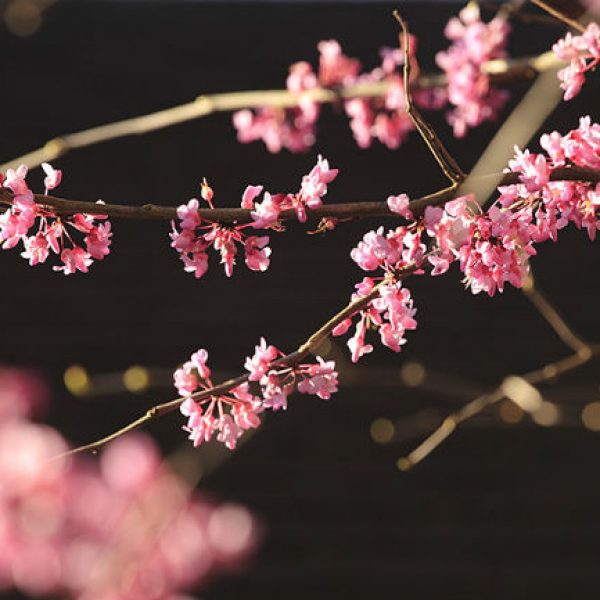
{"type": "Point", "coordinates": [582, 52]}
{"type": "Point", "coordinates": [54, 233]}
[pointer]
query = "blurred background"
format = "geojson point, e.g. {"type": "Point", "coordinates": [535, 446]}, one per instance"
{"type": "Point", "coordinates": [506, 508]}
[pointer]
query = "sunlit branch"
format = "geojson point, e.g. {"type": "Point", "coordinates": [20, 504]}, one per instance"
{"type": "Point", "coordinates": [553, 318]}
{"type": "Point", "coordinates": [585, 352]}
{"type": "Point", "coordinates": [504, 70]}
{"type": "Point", "coordinates": [551, 10]}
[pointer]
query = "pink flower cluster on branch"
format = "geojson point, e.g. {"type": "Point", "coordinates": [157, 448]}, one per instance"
{"type": "Point", "coordinates": [391, 314]}
{"type": "Point", "coordinates": [228, 415]}
{"type": "Point", "coordinates": [384, 117]}
{"type": "Point", "coordinates": [493, 247]}
{"type": "Point", "coordinates": [197, 236]}
{"type": "Point", "coordinates": [582, 52]}
{"type": "Point", "coordinates": [474, 43]}
{"type": "Point", "coordinates": [53, 233]}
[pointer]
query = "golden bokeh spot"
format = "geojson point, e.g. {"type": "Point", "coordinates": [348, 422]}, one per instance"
{"type": "Point", "coordinates": [136, 379]}
{"type": "Point", "coordinates": [510, 413]}
{"type": "Point", "coordinates": [413, 374]}
{"type": "Point", "coordinates": [382, 430]}
{"type": "Point", "coordinates": [590, 416]}
{"type": "Point", "coordinates": [23, 17]}
{"type": "Point", "coordinates": [77, 380]}
{"type": "Point", "coordinates": [547, 415]}
{"type": "Point", "coordinates": [403, 464]}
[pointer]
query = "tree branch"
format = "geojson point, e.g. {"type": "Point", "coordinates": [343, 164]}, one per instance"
{"type": "Point", "coordinates": [584, 352]}
{"type": "Point", "coordinates": [559, 15]}
{"type": "Point", "coordinates": [553, 318]}
{"type": "Point", "coordinates": [450, 423]}
{"type": "Point", "coordinates": [356, 210]}
{"type": "Point", "coordinates": [310, 346]}
{"type": "Point", "coordinates": [444, 159]}
{"type": "Point", "coordinates": [499, 70]}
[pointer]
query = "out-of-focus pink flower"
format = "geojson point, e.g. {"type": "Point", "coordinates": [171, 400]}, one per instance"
{"type": "Point", "coordinates": [124, 527]}
{"type": "Point", "coordinates": [582, 52]}
{"type": "Point", "coordinates": [474, 43]}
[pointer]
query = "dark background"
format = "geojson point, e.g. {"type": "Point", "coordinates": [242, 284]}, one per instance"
{"type": "Point", "coordinates": [498, 511]}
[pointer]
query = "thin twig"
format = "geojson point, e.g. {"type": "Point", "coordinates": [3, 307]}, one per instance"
{"type": "Point", "coordinates": [450, 423]}
{"type": "Point", "coordinates": [356, 210]}
{"type": "Point", "coordinates": [553, 318]}
{"type": "Point", "coordinates": [446, 161]}
{"type": "Point", "coordinates": [559, 15]}
{"type": "Point", "coordinates": [308, 347]}
{"type": "Point", "coordinates": [505, 69]}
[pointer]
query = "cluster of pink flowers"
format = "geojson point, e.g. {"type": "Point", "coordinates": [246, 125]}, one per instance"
{"type": "Point", "coordinates": [196, 236]}
{"type": "Point", "coordinates": [474, 43]}
{"type": "Point", "coordinates": [384, 117]}
{"type": "Point", "coordinates": [582, 52]}
{"type": "Point", "coordinates": [310, 196]}
{"type": "Point", "coordinates": [493, 247]}
{"type": "Point", "coordinates": [290, 128]}
{"type": "Point", "coordinates": [380, 118]}
{"type": "Point", "coordinates": [391, 313]}
{"type": "Point", "coordinates": [229, 414]}
{"type": "Point", "coordinates": [53, 233]}
{"type": "Point", "coordinates": [98, 530]}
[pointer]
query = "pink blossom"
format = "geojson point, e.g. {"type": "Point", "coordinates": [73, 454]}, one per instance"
{"type": "Point", "coordinates": [257, 253]}
{"type": "Point", "coordinates": [274, 393]}
{"type": "Point", "coordinates": [400, 205]}
{"type": "Point", "coordinates": [582, 52]}
{"type": "Point", "coordinates": [320, 379]}
{"type": "Point", "coordinates": [74, 259]}
{"type": "Point", "coordinates": [469, 89]}
{"type": "Point", "coordinates": [53, 233]}
{"type": "Point", "coordinates": [53, 177]}
{"type": "Point", "coordinates": [196, 236]}
{"type": "Point", "coordinates": [250, 193]}
{"type": "Point", "coordinates": [97, 241]}
{"type": "Point", "coordinates": [260, 362]}
{"type": "Point", "coordinates": [535, 172]}
{"type": "Point", "coordinates": [198, 360]}
{"type": "Point", "coordinates": [36, 249]}
{"type": "Point", "coordinates": [229, 431]}
{"type": "Point", "coordinates": [266, 213]}
{"type": "Point", "coordinates": [291, 128]}
{"type": "Point", "coordinates": [245, 415]}
{"type": "Point", "coordinates": [188, 215]}
{"type": "Point", "coordinates": [334, 67]}
{"type": "Point", "coordinates": [15, 180]}
{"type": "Point", "coordinates": [357, 344]}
